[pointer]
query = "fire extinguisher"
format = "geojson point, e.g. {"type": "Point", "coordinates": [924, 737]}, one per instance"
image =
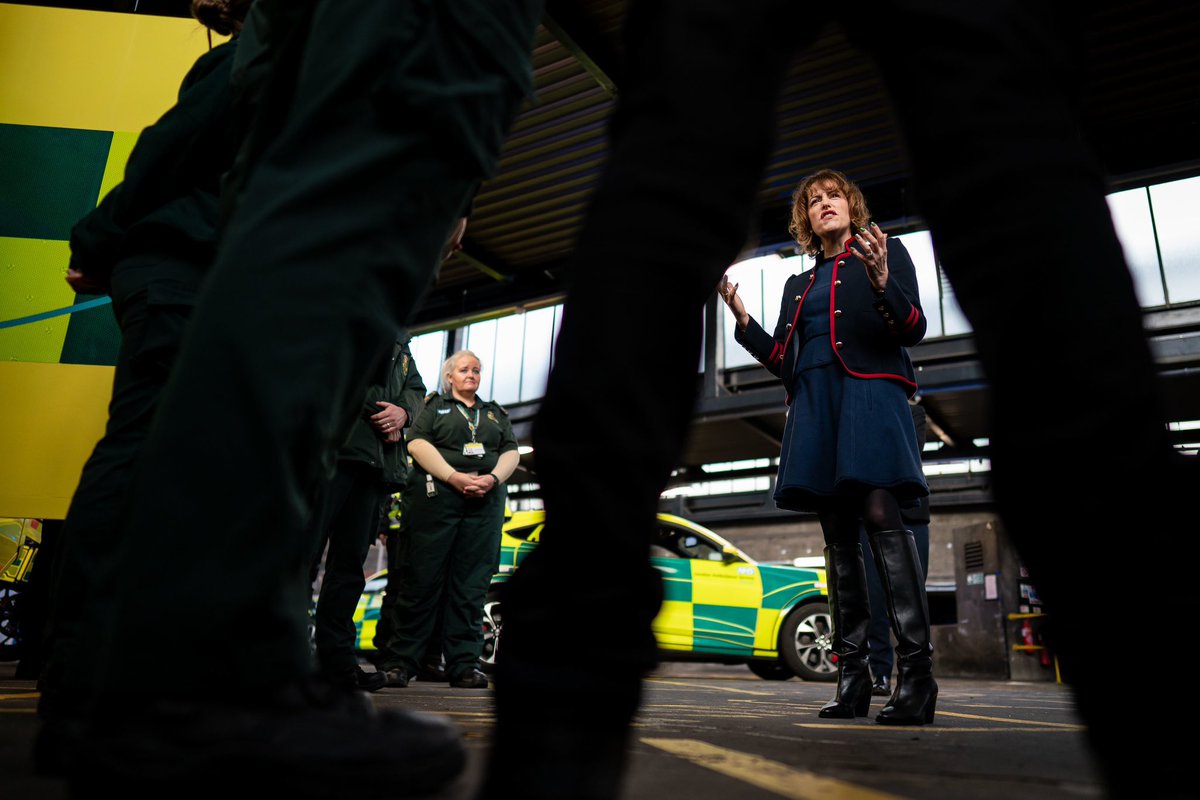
{"type": "Point", "coordinates": [1027, 634]}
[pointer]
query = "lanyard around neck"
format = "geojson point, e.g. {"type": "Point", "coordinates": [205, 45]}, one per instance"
{"type": "Point", "coordinates": [471, 425]}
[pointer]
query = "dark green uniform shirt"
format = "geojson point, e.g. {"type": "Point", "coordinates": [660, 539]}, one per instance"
{"type": "Point", "coordinates": [399, 383]}
{"type": "Point", "coordinates": [445, 423]}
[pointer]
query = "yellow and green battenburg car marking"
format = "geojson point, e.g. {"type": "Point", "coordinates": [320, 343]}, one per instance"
{"type": "Point", "coordinates": [717, 600]}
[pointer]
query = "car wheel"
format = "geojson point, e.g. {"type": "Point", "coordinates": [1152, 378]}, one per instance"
{"type": "Point", "coordinates": [806, 642]}
{"type": "Point", "coordinates": [10, 634]}
{"type": "Point", "coordinates": [492, 623]}
{"type": "Point", "coordinates": [771, 670]}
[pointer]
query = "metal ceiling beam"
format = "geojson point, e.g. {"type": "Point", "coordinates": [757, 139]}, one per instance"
{"type": "Point", "coordinates": [566, 23]}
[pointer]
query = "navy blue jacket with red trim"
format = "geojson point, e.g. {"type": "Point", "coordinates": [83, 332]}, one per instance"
{"type": "Point", "coordinates": [868, 332]}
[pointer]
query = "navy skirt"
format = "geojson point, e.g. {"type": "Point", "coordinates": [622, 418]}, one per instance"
{"type": "Point", "coordinates": [844, 436]}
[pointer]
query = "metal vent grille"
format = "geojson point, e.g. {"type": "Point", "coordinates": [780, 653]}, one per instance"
{"type": "Point", "coordinates": [973, 555]}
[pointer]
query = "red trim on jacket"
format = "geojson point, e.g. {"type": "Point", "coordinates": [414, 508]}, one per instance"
{"type": "Point", "coordinates": [914, 317]}
{"type": "Point", "coordinates": [837, 262]}
{"type": "Point", "coordinates": [776, 355]}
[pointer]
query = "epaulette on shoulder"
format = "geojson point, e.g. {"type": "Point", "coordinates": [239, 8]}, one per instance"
{"type": "Point", "coordinates": [500, 408]}
{"type": "Point", "coordinates": [431, 395]}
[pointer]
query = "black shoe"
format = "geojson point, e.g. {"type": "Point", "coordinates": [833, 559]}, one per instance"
{"type": "Point", "coordinates": [471, 679]}
{"type": "Point", "coordinates": [310, 739]}
{"type": "Point", "coordinates": [397, 678]}
{"type": "Point", "coordinates": [882, 687]}
{"type": "Point", "coordinates": [432, 673]}
{"type": "Point", "coordinates": [358, 679]}
{"type": "Point", "coordinates": [369, 681]}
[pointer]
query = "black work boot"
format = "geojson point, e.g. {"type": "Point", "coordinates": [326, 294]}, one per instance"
{"type": "Point", "coordinates": [851, 610]}
{"type": "Point", "coordinates": [915, 696]}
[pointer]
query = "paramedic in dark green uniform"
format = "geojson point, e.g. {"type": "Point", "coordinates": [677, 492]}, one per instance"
{"type": "Point", "coordinates": [463, 451]}
{"type": "Point", "coordinates": [375, 130]}
{"type": "Point", "coordinates": [148, 244]}
{"type": "Point", "coordinates": [373, 457]}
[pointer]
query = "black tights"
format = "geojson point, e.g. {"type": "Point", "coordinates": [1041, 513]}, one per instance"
{"type": "Point", "coordinates": [877, 510]}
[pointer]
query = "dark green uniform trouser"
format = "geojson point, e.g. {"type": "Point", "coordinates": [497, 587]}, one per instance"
{"type": "Point", "coordinates": [152, 299]}
{"type": "Point", "coordinates": [349, 513]}
{"type": "Point", "coordinates": [398, 110]}
{"type": "Point", "coordinates": [397, 554]}
{"type": "Point", "coordinates": [451, 550]}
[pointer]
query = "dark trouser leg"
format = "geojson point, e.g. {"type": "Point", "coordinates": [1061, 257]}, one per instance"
{"type": "Point", "coordinates": [385, 633]}
{"type": "Point", "coordinates": [1002, 76]}
{"type": "Point", "coordinates": [351, 529]}
{"type": "Point", "coordinates": [335, 236]}
{"type": "Point", "coordinates": [433, 530]}
{"type": "Point", "coordinates": [471, 567]}
{"type": "Point", "coordinates": [151, 332]}
{"type": "Point", "coordinates": [701, 89]}
{"type": "Point", "coordinates": [383, 630]}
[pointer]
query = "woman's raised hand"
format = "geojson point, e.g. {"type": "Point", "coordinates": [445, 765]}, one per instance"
{"type": "Point", "coordinates": [873, 242]}
{"type": "Point", "coordinates": [734, 301]}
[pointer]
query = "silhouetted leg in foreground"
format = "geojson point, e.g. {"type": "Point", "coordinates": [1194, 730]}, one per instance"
{"type": "Point", "coordinates": [980, 94]}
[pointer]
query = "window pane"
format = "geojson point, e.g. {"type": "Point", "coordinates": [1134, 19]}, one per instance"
{"type": "Point", "coordinates": [1131, 217]}
{"type": "Point", "coordinates": [481, 340]}
{"type": "Point", "coordinates": [539, 337]}
{"type": "Point", "coordinates": [760, 285]}
{"type": "Point", "coordinates": [775, 277]}
{"type": "Point", "coordinates": [920, 247]}
{"type": "Point", "coordinates": [1175, 207]}
{"type": "Point", "coordinates": [429, 351]}
{"type": "Point", "coordinates": [954, 321]}
{"type": "Point", "coordinates": [506, 374]}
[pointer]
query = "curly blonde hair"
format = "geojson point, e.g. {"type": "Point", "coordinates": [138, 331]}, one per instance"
{"type": "Point", "coordinates": [801, 227]}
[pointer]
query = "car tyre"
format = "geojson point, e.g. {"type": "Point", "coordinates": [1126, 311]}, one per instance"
{"type": "Point", "coordinates": [806, 642]}
{"type": "Point", "coordinates": [771, 670]}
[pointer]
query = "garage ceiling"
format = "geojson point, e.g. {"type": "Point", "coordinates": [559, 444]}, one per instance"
{"type": "Point", "coordinates": [1141, 102]}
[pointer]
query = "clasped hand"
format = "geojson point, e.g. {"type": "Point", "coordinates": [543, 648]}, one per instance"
{"type": "Point", "coordinates": [471, 485]}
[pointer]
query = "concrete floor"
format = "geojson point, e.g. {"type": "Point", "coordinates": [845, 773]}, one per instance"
{"type": "Point", "coordinates": [708, 732]}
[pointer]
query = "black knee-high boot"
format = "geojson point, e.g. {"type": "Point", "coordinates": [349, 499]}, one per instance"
{"type": "Point", "coordinates": [851, 618]}
{"type": "Point", "coordinates": [915, 695]}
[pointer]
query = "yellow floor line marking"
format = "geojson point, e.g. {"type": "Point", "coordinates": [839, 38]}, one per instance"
{"type": "Point", "coordinates": [1071, 726]}
{"type": "Point", "coordinates": [709, 686]}
{"type": "Point", "coordinates": [773, 776]}
{"type": "Point", "coordinates": [18, 710]}
{"type": "Point", "coordinates": [930, 729]}
{"type": "Point", "coordinates": [26, 696]}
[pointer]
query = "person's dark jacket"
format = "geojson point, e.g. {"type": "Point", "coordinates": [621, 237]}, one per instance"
{"type": "Point", "coordinates": [868, 332]}
{"type": "Point", "coordinates": [168, 201]}
{"type": "Point", "coordinates": [399, 383]}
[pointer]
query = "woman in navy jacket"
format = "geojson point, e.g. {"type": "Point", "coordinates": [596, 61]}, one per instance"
{"type": "Point", "coordinates": [849, 447]}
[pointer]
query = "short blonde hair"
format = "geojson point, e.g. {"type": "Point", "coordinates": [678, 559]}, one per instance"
{"type": "Point", "coordinates": [801, 227]}
{"type": "Point", "coordinates": [448, 366]}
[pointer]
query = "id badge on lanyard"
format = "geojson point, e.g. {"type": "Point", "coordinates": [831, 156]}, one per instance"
{"type": "Point", "coordinates": [471, 449]}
